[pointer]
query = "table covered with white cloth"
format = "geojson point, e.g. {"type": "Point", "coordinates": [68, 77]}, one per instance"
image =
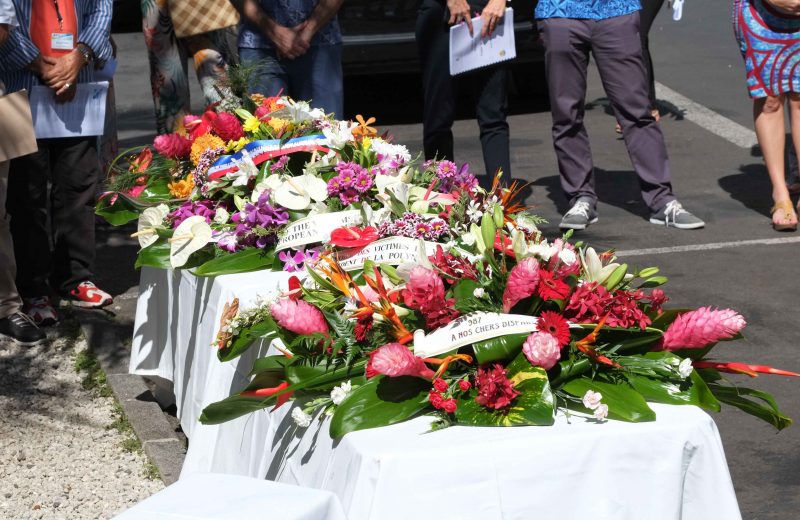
{"type": "Point", "coordinates": [672, 468]}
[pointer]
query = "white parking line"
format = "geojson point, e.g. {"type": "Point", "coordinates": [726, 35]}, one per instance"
{"type": "Point", "coordinates": [707, 247]}
{"type": "Point", "coordinates": [708, 119]}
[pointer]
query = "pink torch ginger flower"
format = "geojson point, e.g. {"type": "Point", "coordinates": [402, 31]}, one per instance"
{"type": "Point", "coordinates": [173, 146]}
{"type": "Point", "coordinates": [700, 328]}
{"type": "Point", "coordinates": [395, 360]}
{"type": "Point", "coordinates": [522, 283]}
{"type": "Point", "coordinates": [299, 317]}
{"type": "Point", "coordinates": [542, 350]}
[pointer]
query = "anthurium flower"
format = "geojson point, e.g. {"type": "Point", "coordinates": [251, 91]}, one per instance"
{"type": "Point", "coordinates": [190, 236]}
{"type": "Point", "coordinates": [296, 193]}
{"type": "Point", "coordinates": [149, 220]}
{"type": "Point", "coordinates": [353, 236]}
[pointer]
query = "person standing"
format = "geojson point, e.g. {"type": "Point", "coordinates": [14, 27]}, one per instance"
{"type": "Point", "coordinates": [56, 44]}
{"type": "Point", "coordinates": [169, 77]}
{"type": "Point", "coordinates": [768, 33]}
{"type": "Point", "coordinates": [488, 86]}
{"type": "Point", "coordinates": [571, 30]}
{"type": "Point", "coordinates": [296, 49]}
{"type": "Point", "coordinates": [14, 323]}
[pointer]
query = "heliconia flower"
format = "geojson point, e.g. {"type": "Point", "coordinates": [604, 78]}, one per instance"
{"type": "Point", "coordinates": [702, 327]}
{"type": "Point", "coordinates": [542, 350]}
{"type": "Point", "coordinates": [395, 360]}
{"type": "Point", "coordinates": [174, 146]}
{"type": "Point", "coordinates": [299, 317]}
{"type": "Point", "coordinates": [522, 283]}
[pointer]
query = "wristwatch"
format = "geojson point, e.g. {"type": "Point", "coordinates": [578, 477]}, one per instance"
{"type": "Point", "coordinates": [86, 52]}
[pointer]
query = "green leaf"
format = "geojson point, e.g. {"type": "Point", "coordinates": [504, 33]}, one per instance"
{"type": "Point", "coordinates": [325, 375]}
{"type": "Point", "coordinates": [269, 363]}
{"type": "Point", "coordinates": [243, 261]}
{"type": "Point", "coordinates": [500, 348]}
{"type": "Point", "coordinates": [233, 407]}
{"type": "Point", "coordinates": [380, 402]}
{"type": "Point", "coordinates": [624, 403]}
{"type": "Point", "coordinates": [755, 402]}
{"type": "Point", "coordinates": [266, 330]}
{"type": "Point", "coordinates": [694, 391]}
{"type": "Point", "coordinates": [654, 281]}
{"type": "Point", "coordinates": [647, 272]}
{"type": "Point", "coordinates": [117, 214]}
{"type": "Point", "coordinates": [616, 277]}
{"type": "Point", "coordinates": [155, 255]}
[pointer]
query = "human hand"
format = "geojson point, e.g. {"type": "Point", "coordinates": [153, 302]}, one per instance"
{"type": "Point", "coordinates": [491, 15]}
{"type": "Point", "coordinates": [787, 6]}
{"type": "Point", "coordinates": [66, 95]}
{"type": "Point", "coordinates": [287, 41]}
{"type": "Point", "coordinates": [64, 73]}
{"type": "Point", "coordinates": [459, 11]}
{"type": "Point", "coordinates": [5, 32]}
{"type": "Point", "coordinates": [41, 65]}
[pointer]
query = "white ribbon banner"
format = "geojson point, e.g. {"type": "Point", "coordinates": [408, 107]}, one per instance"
{"type": "Point", "coordinates": [471, 328]}
{"type": "Point", "coordinates": [393, 250]}
{"type": "Point", "coordinates": [315, 229]}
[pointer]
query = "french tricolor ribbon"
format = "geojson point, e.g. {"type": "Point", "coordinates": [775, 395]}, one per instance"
{"type": "Point", "coordinates": [264, 150]}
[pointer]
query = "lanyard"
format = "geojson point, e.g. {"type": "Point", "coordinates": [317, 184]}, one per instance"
{"type": "Point", "coordinates": [58, 16]}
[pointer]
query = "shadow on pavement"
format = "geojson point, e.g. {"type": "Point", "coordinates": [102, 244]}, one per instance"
{"type": "Point", "coordinates": [750, 187]}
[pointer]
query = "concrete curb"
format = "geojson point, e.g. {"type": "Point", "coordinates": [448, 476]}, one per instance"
{"type": "Point", "coordinates": [108, 337]}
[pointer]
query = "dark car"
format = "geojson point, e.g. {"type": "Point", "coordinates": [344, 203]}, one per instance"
{"type": "Point", "coordinates": [378, 34]}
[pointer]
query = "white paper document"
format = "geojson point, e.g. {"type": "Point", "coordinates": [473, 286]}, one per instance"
{"type": "Point", "coordinates": [473, 52]}
{"type": "Point", "coordinates": [84, 116]}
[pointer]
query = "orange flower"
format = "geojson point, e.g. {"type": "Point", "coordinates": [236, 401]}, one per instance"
{"type": "Point", "coordinates": [363, 129]}
{"type": "Point", "coordinates": [202, 144]}
{"type": "Point", "coordinates": [181, 189]}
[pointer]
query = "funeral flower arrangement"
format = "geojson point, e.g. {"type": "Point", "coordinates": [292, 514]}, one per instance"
{"type": "Point", "coordinates": [507, 329]}
{"type": "Point", "coordinates": [260, 183]}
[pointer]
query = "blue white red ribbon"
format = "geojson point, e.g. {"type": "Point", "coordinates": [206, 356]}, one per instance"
{"type": "Point", "coordinates": [264, 150]}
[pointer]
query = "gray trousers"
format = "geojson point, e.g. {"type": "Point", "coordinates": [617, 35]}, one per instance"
{"type": "Point", "coordinates": [617, 50]}
{"type": "Point", "coordinates": [9, 298]}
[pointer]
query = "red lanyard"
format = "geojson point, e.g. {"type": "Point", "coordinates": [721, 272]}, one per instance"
{"type": "Point", "coordinates": [58, 15]}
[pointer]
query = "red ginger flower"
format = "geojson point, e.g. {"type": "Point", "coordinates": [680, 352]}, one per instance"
{"type": "Point", "coordinates": [522, 283]}
{"type": "Point", "coordinates": [702, 327]}
{"type": "Point", "coordinates": [173, 146]}
{"type": "Point", "coordinates": [395, 360]}
{"type": "Point", "coordinates": [299, 317]}
{"type": "Point", "coordinates": [455, 268]}
{"type": "Point", "coordinates": [425, 292]}
{"type": "Point", "coordinates": [550, 287]}
{"type": "Point", "coordinates": [227, 126]}
{"type": "Point", "coordinates": [554, 324]}
{"type": "Point", "coordinates": [495, 391]}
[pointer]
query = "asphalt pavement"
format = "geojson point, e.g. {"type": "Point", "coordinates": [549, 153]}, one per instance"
{"type": "Point", "coordinates": [719, 181]}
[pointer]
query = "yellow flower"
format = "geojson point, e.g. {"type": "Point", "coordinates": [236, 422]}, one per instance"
{"type": "Point", "coordinates": [366, 143]}
{"type": "Point", "coordinates": [237, 145]}
{"type": "Point", "coordinates": [202, 144]}
{"type": "Point", "coordinates": [251, 124]}
{"type": "Point", "coordinates": [278, 124]}
{"type": "Point", "coordinates": [181, 189]}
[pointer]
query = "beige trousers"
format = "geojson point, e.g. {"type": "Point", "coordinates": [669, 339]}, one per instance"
{"type": "Point", "coordinates": [9, 298]}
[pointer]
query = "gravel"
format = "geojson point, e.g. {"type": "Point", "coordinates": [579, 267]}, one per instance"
{"type": "Point", "coordinates": [60, 454]}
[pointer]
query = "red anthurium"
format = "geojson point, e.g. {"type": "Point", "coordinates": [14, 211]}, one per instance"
{"type": "Point", "coordinates": [295, 288]}
{"type": "Point", "coordinates": [353, 236]}
{"type": "Point", "coordinates": [743, 368]}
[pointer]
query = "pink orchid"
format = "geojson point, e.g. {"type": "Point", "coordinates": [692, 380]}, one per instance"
{"type": "Point", "coordinates": [395, 360]}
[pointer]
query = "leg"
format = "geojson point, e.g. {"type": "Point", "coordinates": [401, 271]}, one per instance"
{"type": "Point", "coordinates": [491, 109]}
{"type": "Point", "coordinates": [771, 132]}
{"type": "Point", "coordinates": [618, 51]}
{"type": "Point", "coordinates": [433, 41]}
{"type": "Point", "coordinates": [27, 207]}
{"type": "Point", "coordinates": [794, 117]}
{"type": "Point", "coordinates": [10, 302]}
{"type": "Point", "coordinates": [168, 69]}
{"type": "Point", "coordinates": [270, 77]}
{"type": "Point", "coordinates": [75, 175]}
{"type": "Point", "coordinates": [566, 62]}
{"type": "Point", "coordinates": [650, 9]}
{"type": "Point", "coordinates": [326, 79]}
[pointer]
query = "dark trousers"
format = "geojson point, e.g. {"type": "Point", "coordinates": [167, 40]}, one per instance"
{"type": "Point", "coordinates": [72, 168]}
{"type": "Point", "coordinates": [617, 49]}
{"type": "Point", "coordinates": [488, 86]}
{"type": "Point", "coordinates": [647, 16]}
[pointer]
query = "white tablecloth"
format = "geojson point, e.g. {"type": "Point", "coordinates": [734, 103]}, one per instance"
{"type": "Point", "coordinates": [670, 469]}
{"type": "Point", "coordinates": [227, 497]}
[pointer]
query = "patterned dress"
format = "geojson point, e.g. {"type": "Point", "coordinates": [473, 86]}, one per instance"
{"type": "Point", "coordinates": [770, 44]}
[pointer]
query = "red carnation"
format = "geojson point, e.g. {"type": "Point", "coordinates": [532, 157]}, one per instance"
{"type": "Point", "coordinates": [554, 324]}
{"type": "Point", "coordinates": [227, 126]}
{"type": "Point", "coordinates": [550, 287]}
{"type": "Point", "coordinates": [353, 236]}
{"type": "Point", "coordinates": [440, 385]}
{"type": "Point", "coordinates": [449, 406]}
{"type": "Point", "coordinates": [436, 399]}
{"type": "Point", "coordinates": [495, 390]}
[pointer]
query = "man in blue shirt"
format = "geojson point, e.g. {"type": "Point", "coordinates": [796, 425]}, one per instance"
{"type": "Point", "coordinates": [297, 48]}
{"type": "Point", "coordinates": [609, 30]}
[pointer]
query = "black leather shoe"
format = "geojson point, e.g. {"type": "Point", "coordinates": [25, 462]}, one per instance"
{"type": "Point", "coordinates": [21, 329]}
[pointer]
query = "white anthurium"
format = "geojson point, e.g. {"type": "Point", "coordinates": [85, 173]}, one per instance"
{"type": "Point", "coordinates": [192, 234]}
{"type": "Point", "coordinates": [594, 270]}
{"type": "Point", "coordinates": [318, 208]}
{"type": "Point", "coordinates": [221, 216]}
{"type": "Point", "coordinates": [296, 193]}
{"type": "Point", "coordinates": [149, 220]}
{"type": "Point", "coordinates": [271, 182]}
{"type": "Point", "coordinates": [246, 170]}
{"type": "Point", "coordinates": [384, 182]}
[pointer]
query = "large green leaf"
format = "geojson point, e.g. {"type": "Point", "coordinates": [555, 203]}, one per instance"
{"type": "Point", "coordinates": [755, 402]}
{"type": "Point", "coordinates": [380, 402]}
{"type": "Point", "coordinates": [233, 407]}
{"type": "Point", "coordinates": [324, 375]}
{"type": "Point", "coordinates": [500, 348]}
{"type": "Point", "coordinates": [243, 261]}
{"type": "Point", "coordinates": [693, 391]}
{"type": "Point", "coordinates": [269, 362]}
{"type": "Point", "coordinates": [266, 329]}
{"type": "Point", "coordinates": [624, 403]}
{"type": "Point", "coordinates": [535, 406]}
{"type": "Point", "coordinates": [116, 214]}
{"type": "Point", "coordinates": [155, 255]}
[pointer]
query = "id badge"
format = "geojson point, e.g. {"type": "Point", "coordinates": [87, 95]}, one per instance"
{"type": "Point", "coordinates": [61, 41]}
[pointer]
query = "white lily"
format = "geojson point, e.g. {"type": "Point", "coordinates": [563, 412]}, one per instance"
{"type": "Point", "coordinates": [221, 216]}
{"type": "Point", "coordinates": [149, 220]}
{"type": "Point", "coordinates": [593, 268]}
{"type": "Point", "coordinates": [246, 170]}
{"type": "Point", "coordinates": [190, 236]}
{"type": "Point", "coordinates": [296, 193]}
{"type": "Point", "coordinates": [339, 133]}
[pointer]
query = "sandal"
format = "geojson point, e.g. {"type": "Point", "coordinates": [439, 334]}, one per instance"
{"type": "Point", "coordinates": [788, 211]}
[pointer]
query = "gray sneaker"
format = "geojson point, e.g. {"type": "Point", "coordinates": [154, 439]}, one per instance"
{"type": "Point", "coordinates": [580, 215]}
{"type": "Point", "coordinates": [673, 215]}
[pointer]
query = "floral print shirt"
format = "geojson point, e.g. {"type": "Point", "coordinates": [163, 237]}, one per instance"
{"type": "Point", "coordinates": [585, 9]}
{"type": "Point", "coordinates": [289, 13]}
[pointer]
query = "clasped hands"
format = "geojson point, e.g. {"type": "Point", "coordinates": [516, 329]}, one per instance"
{"type": "Point", "coordinates": [490, 16]}
{"type": "Point", "coordinates": [292, 42]}
{"type": "Point", "coordinates": [60, 74]}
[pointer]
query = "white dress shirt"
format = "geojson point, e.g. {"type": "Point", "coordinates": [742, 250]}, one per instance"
{"type": "Point", "coordinates": [7, 15]}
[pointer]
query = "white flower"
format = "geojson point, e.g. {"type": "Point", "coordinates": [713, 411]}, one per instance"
{"type": "Point", "coordinates": [340, 392]}
{"type": "Point", "coordinates": [149, 220]}
{"type": "Point", "coordinates": [191, 235]}
{"type": "Point", "coordinates": [221, 216]}
{"type": "Point", "coordinates": [543, 250]}
{"type": "Point", "coordinates": [301, 418]}
{"type": "Point", "coordinates": [601, 412]}
{"type": "Point", "coordinates": [474, 212]}
{"type": "Point", "coordinates": [567, 256]}
{"type": "Point", "coordinates": [298, 111]}
{"type": "Point", "coordinates": [594, 270]}
{"type": "Point", "coordinates": [246, 169]}
{"type": "Point", "coordinates": [479, 292]}
{"type": "Point", "coordinates": [591, 399]}
{"type": "Point", "coordinates": [339, 133]}
{"type": "Point", "coordinates": [468, 239]}
{"type": "Point", "coordinates": [685, 369]}
{"type": "Point", "coordinates": [296, 193]}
